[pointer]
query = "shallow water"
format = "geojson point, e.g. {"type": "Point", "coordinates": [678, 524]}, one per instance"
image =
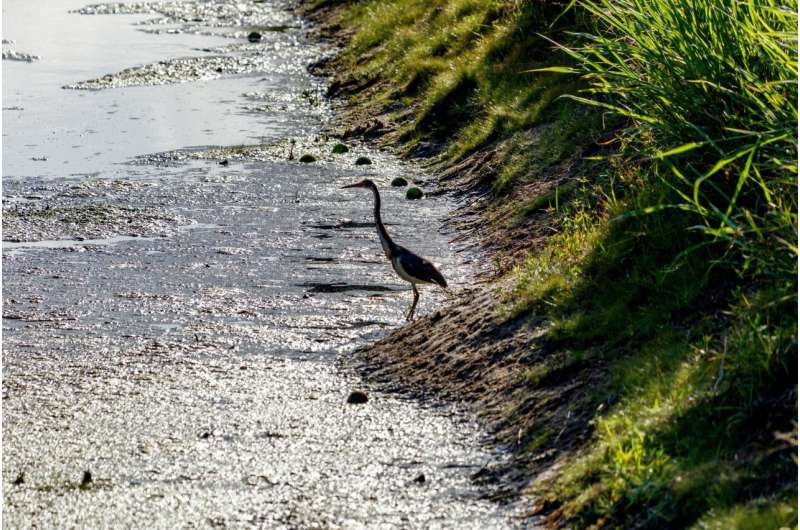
{"type": "Point", "coordinates": [49, 131]}
{"type": "Point", "coordinates": [171, 324]}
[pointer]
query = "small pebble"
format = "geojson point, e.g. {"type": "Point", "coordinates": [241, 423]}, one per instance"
{"type": "Point", "coordinates": [338, 149]}
{"type": "Point", "coordinates": [363, 161]}
{"type": "Point", "coordinates": [399, 181]}
{"type": "Point", "coordinates": [254, 36]}
{"type": "Point", "coordinates": [307, 159]}
{"type": "Point", "coordinates": [420, 479]}
{"type": "Point", "coordinates": [86, 481]}
{"type": "Point", "coordinates": [357, 397]}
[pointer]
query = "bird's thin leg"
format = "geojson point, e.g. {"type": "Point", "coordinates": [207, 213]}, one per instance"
{"type": "Point", "coordinates": [413, 304]}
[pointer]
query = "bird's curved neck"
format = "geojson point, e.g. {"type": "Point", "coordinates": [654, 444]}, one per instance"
{"type": "Point", "coordinates": [386, 241]}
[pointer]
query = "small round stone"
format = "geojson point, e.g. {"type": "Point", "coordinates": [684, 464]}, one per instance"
{"type": "Point", "coordinates": [357, 397]}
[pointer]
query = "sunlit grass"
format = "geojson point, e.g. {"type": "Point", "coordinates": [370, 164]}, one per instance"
{"type": "Point", "coordinates": [710, 88]}
{"type": "Point", "coordinates": [762, 514]}
{"type": "Point", "coordinates": [461, 62]}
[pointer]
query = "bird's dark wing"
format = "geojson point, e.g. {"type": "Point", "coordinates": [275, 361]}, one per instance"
{"type": "Point", "coordinates": [420, 268]}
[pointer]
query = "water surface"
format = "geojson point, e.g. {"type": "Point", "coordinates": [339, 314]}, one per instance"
{"type": "Point", "coordinates": [171, 323]}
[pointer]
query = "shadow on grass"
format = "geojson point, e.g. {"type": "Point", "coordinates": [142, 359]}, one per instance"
{"type": "Point", "coordinates": [686, 376]}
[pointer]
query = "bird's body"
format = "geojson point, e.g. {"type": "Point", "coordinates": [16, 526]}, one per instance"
{"type": "Point", "coordinates": [409, 266]}
{"type": "Point", "coordinates": [415, 269]}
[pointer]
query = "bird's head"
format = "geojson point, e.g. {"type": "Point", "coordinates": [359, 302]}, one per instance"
{"type": "Point", "coordinates": [366, 183]}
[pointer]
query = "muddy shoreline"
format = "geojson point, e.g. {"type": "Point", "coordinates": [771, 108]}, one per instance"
{"type": "Point", "coordinates": [470, 352]}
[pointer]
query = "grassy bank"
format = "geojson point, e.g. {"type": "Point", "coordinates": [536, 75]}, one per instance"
{"type": "Point", "coordinates": [640, 159]}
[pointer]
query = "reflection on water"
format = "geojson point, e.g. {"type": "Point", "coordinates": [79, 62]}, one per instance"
{"type": "Point", "coordinates": [65, 243]}
{"type": "Point", "coordinates": [191, 368]}
{"type": "Point", "coordinates": [50, 131]}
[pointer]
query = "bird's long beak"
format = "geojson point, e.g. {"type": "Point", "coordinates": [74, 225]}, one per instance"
{"type": "Point", "coordinates": [356, 185]}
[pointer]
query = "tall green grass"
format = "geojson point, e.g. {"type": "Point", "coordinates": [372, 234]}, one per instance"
{"type": "Point", "coordinates": [686, 281]}
{"type": "Point", "coordinates": [710, 88]}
